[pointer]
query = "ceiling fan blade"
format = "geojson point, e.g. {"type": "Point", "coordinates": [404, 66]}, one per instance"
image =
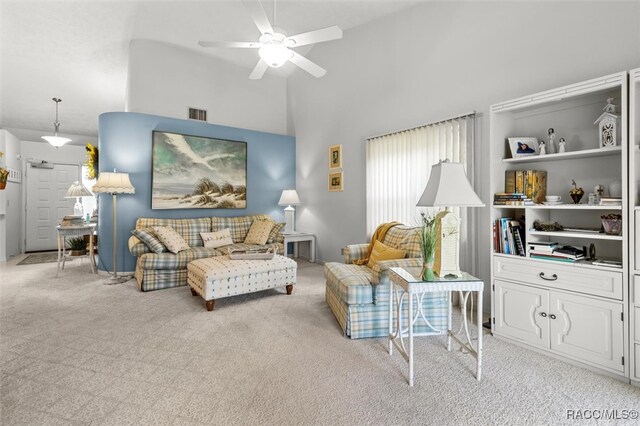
{"type": "Point", "coordinates": [241, 44]}
{"type": "Point", "coordinates": [313, 69]}
{"type": "Point", "coordinates": [259, 70]}
{"type": "Point", "coordinates": [259, 16]}
{"type": "Point", "coordinates": [318, 36]}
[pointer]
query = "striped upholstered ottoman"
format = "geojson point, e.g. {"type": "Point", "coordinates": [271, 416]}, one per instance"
{"type": "Point", "coordinates": [217, 277]}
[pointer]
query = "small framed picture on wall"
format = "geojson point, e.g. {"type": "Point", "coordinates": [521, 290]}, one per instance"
{"type": "Point", "coordinates": [335, 157]}
{"type": "Point", "coordinates": [336, 182]}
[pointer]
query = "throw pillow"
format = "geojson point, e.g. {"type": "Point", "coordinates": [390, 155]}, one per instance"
{"type": "Point", "coordinates": [259, 232]}
{"type": "Point", "coordinates": [277, 228]}
{"type": "Point", "coordinates": [217, 238]}
{"type": "Point", "coordinates": [171, 239]}
{"type": "Point", "coordinates": [148, 237]}
{"type": "Point", "coordinates": [383, 252]}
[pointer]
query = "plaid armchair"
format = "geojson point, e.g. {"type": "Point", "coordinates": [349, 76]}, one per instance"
{"type": "Point", "coordinates": [358, 296]}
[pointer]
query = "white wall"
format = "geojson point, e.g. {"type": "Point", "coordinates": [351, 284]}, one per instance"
{"type": "Point", "coordinates": [11, 220]}
{"type": "Point", "coordinates": [166, 80]}
{"type": "Point", "coordinates": [432, 62]}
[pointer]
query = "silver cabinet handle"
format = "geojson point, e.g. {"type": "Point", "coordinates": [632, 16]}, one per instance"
{"type": "Point", "coordinates": [552, 316]}
{"type": "Point", "coordinates": [553, 277]}
{"type": "Point", "coordinates": [543, 314]}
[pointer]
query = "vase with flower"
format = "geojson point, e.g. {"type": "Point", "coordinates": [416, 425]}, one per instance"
{"type": "Point", "coordinates": [427, 246]}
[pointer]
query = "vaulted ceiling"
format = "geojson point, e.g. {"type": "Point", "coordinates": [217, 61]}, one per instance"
{"type": "Point", "coordinates": [78, 50]}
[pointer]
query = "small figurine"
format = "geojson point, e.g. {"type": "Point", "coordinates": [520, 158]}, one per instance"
{"type": "Point", "coordinates": [561, 145]}
{"type": "Point", "coordinates": [552, 141]}
{"type": "Point", "coordinates": [542, 148]}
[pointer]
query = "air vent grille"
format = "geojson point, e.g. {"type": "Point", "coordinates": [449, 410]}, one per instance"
{"type": "Point", "coordinates": [198, 114]}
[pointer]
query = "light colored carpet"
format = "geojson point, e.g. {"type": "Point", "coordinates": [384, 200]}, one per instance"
{"type": "Point", "coordinates": [74, 351]}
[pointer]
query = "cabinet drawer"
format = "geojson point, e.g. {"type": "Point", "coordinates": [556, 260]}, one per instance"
{"type": "Point", "coordinates": [636, 288]}
{"type": "Point", "coordinates": [564, 277]}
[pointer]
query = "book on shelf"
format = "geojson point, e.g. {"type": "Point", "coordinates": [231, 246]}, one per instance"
{"type": "Point", "coordinates": [611, 201]}
{"type": "Point", "coordinates": [532, 183]}
{"type": "Point", "coordinates": [608, 263]}
{"type": "Point", "coordinates": [554, 258]}
{"type": "Point", "coordinates": [564, 253]}
{"type": "Point", "coordinates": [542, 247]}
{"type": "Point", "coordinates": [508, 236]}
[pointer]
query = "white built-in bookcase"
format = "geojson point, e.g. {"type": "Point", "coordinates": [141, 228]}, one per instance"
{"type": "Point", "coordinates": [634, 215]}
{"type": "Point", "coordinates": [578, 312]}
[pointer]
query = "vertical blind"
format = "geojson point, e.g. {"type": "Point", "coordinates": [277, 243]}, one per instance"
{"type": "Point", "coordinates": [399, 166]}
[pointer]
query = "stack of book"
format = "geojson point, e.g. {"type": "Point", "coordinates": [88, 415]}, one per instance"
{"type": "Point", "coordinates": [553, 251]}
{"type": "Point", "coordinates": [511, 199]}
{"type": "Point", "coordinates": [532, 183]}
{"type": "Point", "coordinates": [611, 201]}
{"type": "Point", "coordinates": [508, 237]}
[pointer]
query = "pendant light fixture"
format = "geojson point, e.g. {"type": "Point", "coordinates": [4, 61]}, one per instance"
{"type": "Point", "coordinates": [56, 140]}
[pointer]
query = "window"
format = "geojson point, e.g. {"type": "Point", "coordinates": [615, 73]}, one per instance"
{"type": "Point", "coordinates": [399, 166]}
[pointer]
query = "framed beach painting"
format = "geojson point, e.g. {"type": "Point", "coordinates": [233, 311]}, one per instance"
{"type": "Point", "coordinates": [197, 172]}
{"type": "Point", "coordinates": [335, 157]}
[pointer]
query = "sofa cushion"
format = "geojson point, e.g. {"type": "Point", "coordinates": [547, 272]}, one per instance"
{"type": "Point", "coordinates": [382, 252]}
{"type": "Point", "coordinates": [239, 225]}
{"type": "Point", "coordinates": [148, 237]}
{"type": "Point", "coordinates": [259, 232]}
{"type": "Point", "coordinates": [189, 229]}
{"type": "Point", "coordinates": [352, 283]}
{"type": "Point", "coordinates": [217, 239]}
{"type": "Point", "coordinates": [167, 261]}
{"type": "Point", "coordinates": [171, 239]}
{"type": "Point", "coordinates": [405, 238]}
{"type": "Point", "coordinates": [273, 235]}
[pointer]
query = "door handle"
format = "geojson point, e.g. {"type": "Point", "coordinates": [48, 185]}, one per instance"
{"type": "Point", "coordinates": [553, 277]}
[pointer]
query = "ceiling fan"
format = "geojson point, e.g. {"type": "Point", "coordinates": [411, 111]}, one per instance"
{"type": "Point", "coordinates": [274, 47]}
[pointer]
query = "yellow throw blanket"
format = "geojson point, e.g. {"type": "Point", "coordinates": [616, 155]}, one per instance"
{"type": "Point", "coordinates": [378, 235]}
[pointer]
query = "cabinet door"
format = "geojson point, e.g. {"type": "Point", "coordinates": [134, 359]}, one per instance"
{"type": "Point", "coordinates": [587, 329]}
{"type": "Point", "coordinates": [521, 313]}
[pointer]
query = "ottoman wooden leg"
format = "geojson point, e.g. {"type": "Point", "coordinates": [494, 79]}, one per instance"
{"type": "Point", "coordinates": [289, 288]}
{"type": "Point", "coordinates": [210, 305]}
{"type": "Point", "coordinates": [193, 292]}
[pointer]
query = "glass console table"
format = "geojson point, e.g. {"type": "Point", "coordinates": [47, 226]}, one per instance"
{"type": "Point", "coordinates": [406, 287]}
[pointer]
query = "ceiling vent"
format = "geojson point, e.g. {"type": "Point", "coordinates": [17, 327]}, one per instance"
{"type": "Point", "coordinates": [197, 114]}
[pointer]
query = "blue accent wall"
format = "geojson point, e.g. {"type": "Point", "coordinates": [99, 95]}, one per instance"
{"type": "Point", "coordinates": [125, 143]}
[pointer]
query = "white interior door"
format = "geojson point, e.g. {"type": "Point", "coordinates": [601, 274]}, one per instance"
{"type": "Point", "coordinates": [46, 204]}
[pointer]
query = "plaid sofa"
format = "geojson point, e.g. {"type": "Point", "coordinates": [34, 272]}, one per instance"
{"type": "Point", "coordinates": [155, 271]}
{"type": "Point", "coordinates": [358, 296]}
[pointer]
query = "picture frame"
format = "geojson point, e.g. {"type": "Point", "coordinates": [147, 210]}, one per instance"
{"type": "Point", "coordinates": [336, 181]}
{"type": "Point", "coordinates": [523, 146]}
{"type": "Point", "coordinates": [197, 172]}
{"type": "Point", "coordinates": [335, 157]}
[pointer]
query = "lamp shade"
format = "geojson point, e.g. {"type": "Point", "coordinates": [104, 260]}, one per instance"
{"type": "Point", "coordinates": [448, 186]}
{"type": "Point", "coordinates": [77, 190]}
{"type": "Point", "coordinates": [289, 197]}
{"type": "Point", "coordinates": [56, 141]}
{"type": "Point", "coordinates": [114, 183]}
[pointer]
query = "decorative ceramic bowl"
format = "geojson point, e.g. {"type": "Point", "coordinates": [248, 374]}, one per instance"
{"type": "Point", "coordinates": [612, 226]}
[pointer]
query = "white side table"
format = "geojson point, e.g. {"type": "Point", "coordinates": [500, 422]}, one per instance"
{"type": "Point", "coordinates": [297, 237]}
{"type": "Point", "coordinates": [75, 231]}
{"type": "Point", "coordinates": [406, 288]}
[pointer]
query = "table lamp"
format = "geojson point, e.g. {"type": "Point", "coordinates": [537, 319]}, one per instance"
{"type": "Point", "coordinates": [448, 186]}
{"type": "Point", "coordinates": [289, 198]}
{"type": "Point", "coordinates": [114, 183]}
{"type": "Point", "coordinates": [77, 190]}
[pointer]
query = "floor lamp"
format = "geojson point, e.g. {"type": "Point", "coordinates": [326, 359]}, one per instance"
{"type": "Point", "coordinates": [114, 183]}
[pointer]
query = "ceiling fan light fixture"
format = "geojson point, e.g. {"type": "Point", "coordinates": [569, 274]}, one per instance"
{"type": "Point", "coordinates": [275, 54]}
{"type": "Point", "coordinates": [56, 140]}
